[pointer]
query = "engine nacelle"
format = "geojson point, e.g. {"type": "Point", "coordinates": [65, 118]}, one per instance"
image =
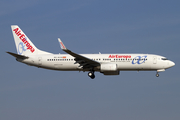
{"type": "Point", "coordinates": [109, 69]}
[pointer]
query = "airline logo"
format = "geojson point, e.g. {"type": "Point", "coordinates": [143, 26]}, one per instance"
{"type": "Point", "coordinates": [21, 48]}
{"type": "Point", "coordinates": [139, 59]}
{"type": "Point", "coordinates": [62, 45]}
{"type": "Point", "coordinates": [23, 43]}
{"type": "Point", "coordinates": [120, 56]}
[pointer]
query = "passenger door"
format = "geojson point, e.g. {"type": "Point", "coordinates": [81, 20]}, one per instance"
{"type": "Point", "coordinates": [154, 59]}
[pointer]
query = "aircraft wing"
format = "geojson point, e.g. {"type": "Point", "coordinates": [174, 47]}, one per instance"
{"type": "Point", "coordinates": [82, 60]}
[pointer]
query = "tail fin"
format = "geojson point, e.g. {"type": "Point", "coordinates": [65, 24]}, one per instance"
{"type": "Point", "coordinates": [23, 44]}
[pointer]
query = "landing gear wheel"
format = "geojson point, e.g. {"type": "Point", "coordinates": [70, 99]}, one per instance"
{"type": "Point", "coordinates": [91, 75]}
{"type": "Point", "coordinates": [157, 75]}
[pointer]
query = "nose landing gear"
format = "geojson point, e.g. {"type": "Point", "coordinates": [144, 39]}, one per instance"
{"type": "Point", "coordinates": [157, 74]}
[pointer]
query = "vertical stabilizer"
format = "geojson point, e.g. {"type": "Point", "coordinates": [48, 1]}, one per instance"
{"type": "Point", "coordinates": [23, 44]}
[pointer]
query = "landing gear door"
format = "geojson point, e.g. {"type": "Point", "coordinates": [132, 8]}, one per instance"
{"type": "Point", "coordinates": [154, 60]}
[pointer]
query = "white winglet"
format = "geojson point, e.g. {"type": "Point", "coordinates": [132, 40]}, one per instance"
{"type": "Point", "coordinates": [61, 44]}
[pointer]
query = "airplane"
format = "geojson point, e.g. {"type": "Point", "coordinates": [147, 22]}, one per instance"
{"type": "Point", "coordinates": [107, 64]}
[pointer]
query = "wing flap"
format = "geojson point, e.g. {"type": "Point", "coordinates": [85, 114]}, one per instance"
{"type": "Point", "coordinates": [80, 57]}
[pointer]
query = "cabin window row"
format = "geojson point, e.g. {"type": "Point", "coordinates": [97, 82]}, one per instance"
{"type": "Point", "coordinates": [92, 59]}
{"type": "Point", "coordinates": [122, 59]}
{"type": "Point", "coordinates": [60, 59]}
{"type": "Point", "coordinates": [140, 59]}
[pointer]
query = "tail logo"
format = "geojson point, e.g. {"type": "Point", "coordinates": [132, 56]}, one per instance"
{"type": "Point", "coordinates": [21, 46]}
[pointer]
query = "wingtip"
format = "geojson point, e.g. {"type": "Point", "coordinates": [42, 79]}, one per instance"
{"type": "Point", "coordinates": [59, 40]}
{"type": "Point", "coordinates": [61, 44]}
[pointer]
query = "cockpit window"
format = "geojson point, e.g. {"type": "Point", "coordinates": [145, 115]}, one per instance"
{"type": "Point", "coordinates": [164, 59]}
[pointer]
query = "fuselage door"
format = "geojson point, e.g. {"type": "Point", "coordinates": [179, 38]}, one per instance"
{"type": "Point", "coordinates": [39, 60]}
{"type": "Point", "coordinates": [154, 59]}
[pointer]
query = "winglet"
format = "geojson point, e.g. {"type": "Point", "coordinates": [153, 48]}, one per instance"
{"type": "Point", "coordinates": [61, 44]}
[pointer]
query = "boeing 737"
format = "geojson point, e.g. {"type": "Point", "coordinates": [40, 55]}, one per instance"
{"type": "Point", "coordinates": [107, 64]}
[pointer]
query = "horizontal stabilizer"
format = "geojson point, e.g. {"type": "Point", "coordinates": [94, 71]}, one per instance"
{"type": "Point", "coordinates": [17, 56]}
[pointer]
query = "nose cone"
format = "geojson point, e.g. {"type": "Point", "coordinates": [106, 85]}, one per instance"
{"type": "Point", "coordinates": [171, 64]}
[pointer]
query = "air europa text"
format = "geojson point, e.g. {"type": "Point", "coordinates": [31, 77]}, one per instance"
{"type": "Point", "coordinates": [119, 56]}
{"type": "Point", "coordinates": [22, 37]}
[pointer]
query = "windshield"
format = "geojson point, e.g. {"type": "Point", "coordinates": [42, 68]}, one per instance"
{"type": "Point", "coordinates": [164, 59]}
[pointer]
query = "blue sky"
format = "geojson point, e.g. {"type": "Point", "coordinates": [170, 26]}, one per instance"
{"type": "Point", "coordinates": [90, 26]}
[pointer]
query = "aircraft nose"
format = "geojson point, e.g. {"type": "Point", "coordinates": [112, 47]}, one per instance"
{"type": "Point", "coordinates": [171, 64]}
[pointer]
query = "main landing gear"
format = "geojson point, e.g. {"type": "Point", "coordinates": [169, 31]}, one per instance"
{"type": "Point", "coordinates": [91, 74]}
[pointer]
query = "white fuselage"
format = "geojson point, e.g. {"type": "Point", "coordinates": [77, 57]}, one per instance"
{"type": "Point", "coordinates": [124, 62]}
